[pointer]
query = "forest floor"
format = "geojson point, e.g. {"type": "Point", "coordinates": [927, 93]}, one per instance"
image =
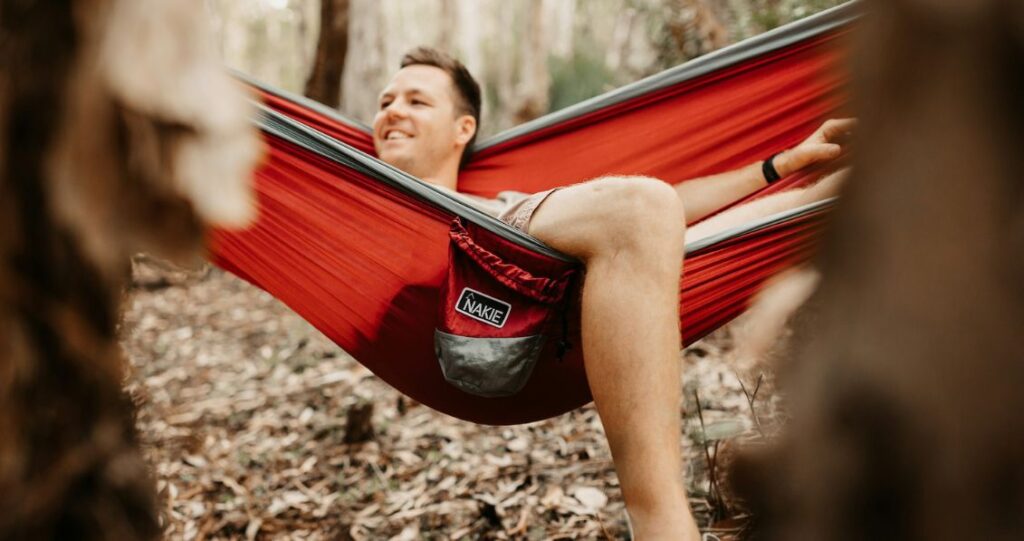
{"type": "Point", "coordinates": [244, 410]}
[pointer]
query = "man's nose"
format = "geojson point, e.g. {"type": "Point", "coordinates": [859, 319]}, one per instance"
{"type": "Point", "coordinates": [395, 110]}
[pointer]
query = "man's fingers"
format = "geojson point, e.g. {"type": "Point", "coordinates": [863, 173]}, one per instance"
{"type": "Point", "coordinates": [830, 151]}
{"type": "Point", "coordinates": [808, 154]}
{"type": "Point", "coordinates": [838, 129]}
{"type": "Point", "coordinates": [804, 155]}
{"type": "Point", "coordinates": [823, 145]}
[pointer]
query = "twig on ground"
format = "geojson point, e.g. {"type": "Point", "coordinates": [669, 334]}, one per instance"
{"type": "Point", "coordinates": [751, 397]}
{"type": "Point", "coordinates": [717, 503]}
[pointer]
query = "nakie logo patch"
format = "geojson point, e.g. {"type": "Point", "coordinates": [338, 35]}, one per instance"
{"type": "Point", "coordinates": [483, 307]}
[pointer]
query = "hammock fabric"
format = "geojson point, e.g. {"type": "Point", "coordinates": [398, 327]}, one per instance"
{"type": "Point", "coordinates": [362, 259]}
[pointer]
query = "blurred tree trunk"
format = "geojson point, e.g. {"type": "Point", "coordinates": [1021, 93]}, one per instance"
{"type": "Point", "coordinates": [324, 83]}
{"type": "Point", "coordinates": [905, 400]}
{"type": "Point", "coordinates": [98, 138]}
{"type": "Point", "coordinates": [69, 462]}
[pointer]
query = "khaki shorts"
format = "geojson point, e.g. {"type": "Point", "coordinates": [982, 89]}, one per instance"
{"type": "Point", "coordinates": [514, 208]}
{"type": "Point", "coordinates": [519, 207]}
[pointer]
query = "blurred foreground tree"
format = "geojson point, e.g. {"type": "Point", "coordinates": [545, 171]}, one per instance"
{"type": "Point", "coordinates": [116, 135]}
{"type": "Point", "coordinates": [905, 395]}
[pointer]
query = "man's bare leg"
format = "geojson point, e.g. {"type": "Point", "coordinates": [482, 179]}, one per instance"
{"type": "Point", "coordinates": [705, 195]}
{"type": "Point", "coordinates": [627, 232]}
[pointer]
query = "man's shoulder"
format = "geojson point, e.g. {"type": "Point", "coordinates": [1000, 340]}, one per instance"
{"type": "Point", "coordinates": [492, 207]}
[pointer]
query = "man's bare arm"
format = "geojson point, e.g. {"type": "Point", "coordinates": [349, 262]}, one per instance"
{"type": "Point", "coordinates": [705, 195]}
{"type": "Point", "coordinates": [827, 187]}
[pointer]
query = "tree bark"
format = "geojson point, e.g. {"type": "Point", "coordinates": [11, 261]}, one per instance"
{"type": "Point", "coordinates": [99, 146]}
{"type": "Point", "coordinates": [63, 418]}
{"type": "Point", "coordinates": [324, 83]}
{"type": "Point", "coordinates": [366, 72]}
{"type": "Point", "coordinates": [448, 21]}
{"type": "Point", "coordinates": [534, 81]}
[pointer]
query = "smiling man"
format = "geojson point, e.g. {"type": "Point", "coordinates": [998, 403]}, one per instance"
{"type": "Point", "coordinates": [629, 233]}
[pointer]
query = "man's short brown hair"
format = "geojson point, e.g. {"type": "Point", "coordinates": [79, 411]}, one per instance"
{"type": "Point", "coordinates": [467, 91]}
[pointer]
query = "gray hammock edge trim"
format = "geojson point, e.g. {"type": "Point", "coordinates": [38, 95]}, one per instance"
{"type": "Point", "coordinates": [299, 99]}
{"type": "Point", "coordinates": [753, 47]}
{"type": "Point", "coordinates": [327, 147]}
{"type": "Point", "coordinates": [757, 225]}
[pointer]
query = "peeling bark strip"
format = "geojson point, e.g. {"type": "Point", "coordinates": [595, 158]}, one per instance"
{"type": "Point", "coordinates": [906, 395]}
{"type": "Point", "coordinates": [99, 157]}
{"type": "Point", "coordinates": [324, 84]}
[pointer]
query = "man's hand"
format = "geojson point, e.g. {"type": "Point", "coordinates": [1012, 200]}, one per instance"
{"type": "Point", "coordinates": [825, 144]}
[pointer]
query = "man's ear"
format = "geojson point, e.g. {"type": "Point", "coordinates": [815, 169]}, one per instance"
{"type": "Point", "coordinates": [465, 128]}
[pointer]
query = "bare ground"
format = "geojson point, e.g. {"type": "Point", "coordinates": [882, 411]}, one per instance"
{"type": "Point", "coordinates": [244, 410]}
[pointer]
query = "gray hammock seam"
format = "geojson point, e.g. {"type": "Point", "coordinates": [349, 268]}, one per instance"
{"type": "Point", "coordinates": [327, 147]}
{"type": "Point", "coordinates": [754, 47]}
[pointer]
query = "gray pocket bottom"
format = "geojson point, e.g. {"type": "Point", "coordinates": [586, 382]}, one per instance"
{"type": "Point", "coordinates": [488, 367]}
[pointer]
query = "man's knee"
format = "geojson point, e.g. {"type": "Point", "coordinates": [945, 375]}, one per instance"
{"type": "Point", "coordinates": [638, 213]}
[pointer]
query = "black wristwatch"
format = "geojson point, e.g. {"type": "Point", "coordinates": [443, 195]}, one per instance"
{"type": "Point", "coordinates": [768, 168]}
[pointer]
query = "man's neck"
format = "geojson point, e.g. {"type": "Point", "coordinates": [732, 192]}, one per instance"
{"type": "Point", "coordinates": [447, 176]}
{"type": "Point", "coordinates": [449, 183]}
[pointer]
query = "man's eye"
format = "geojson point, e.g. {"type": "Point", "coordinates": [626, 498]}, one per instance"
{"type": "Point", "coordinates": [384, 104]}
{"type": "Point", "coordinates": [418, 102]}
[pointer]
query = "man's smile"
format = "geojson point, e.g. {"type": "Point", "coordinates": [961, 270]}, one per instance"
{"type": "Point", "coordinates": [396, 134]}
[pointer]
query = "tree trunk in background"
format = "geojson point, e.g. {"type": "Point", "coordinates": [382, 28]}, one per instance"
{"type": "Point", "coordinates": [559, 18]}
{"type": "Point", "coordinates": [365, 70]}
{"type": "Point", "coordinates": [269, 41]}
{"type": "Point", "coordinates": [498, 75]}
{"type": "Point", "coordinates": [711, 33]}
{"type": "Point", "coordinates": [532, 87]}
{"type": "Point", "coordinates": [905, 400]}
{"type": "Point", "coordinates": [448, 21]}
{"type": "Point", "coordinates": [324, 83]}
{"type": "Point", "coordinates": [691, 29]}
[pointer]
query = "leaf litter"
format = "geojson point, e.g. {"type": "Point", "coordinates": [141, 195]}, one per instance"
{"type": "Point", "coordinates": [244, 413]}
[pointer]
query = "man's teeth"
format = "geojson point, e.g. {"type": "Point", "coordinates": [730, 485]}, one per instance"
{"type": "Point", "coordinates": [397, 135]}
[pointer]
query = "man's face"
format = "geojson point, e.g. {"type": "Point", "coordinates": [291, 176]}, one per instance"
{"type": "Point", "coordinates": [417, 127]}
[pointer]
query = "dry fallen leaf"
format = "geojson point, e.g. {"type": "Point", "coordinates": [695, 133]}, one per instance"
{"type": "Point", "coordinates": [591, 498]}
{"type": "Point", "coordinates": [244, 422]}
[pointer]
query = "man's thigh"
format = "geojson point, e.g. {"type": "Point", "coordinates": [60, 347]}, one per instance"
{"type": "Point", "coordinates": [579, 218]}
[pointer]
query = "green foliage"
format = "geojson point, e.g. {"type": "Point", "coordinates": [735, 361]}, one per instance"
{"type": "Point", "coordinates": [579, 77]}
{"type": "Point", "coordinates": [766, 18]}
{"type": "Point", "coordinates": [676, 35]}
{"type": "Point", "coordinates": [672, 32]}
{"type": "Point", "coordinates": [769, 14]}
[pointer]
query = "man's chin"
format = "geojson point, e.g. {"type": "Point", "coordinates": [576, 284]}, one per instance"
{"type": "Point", "coordinates": [399, 161]}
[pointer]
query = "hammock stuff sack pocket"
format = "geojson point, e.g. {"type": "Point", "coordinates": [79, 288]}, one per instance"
{"type": "Point", "coordinates": [497, 307]}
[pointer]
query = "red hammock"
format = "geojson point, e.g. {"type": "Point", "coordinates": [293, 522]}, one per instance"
{"type": "Point", "coordinates": [362, 260]}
